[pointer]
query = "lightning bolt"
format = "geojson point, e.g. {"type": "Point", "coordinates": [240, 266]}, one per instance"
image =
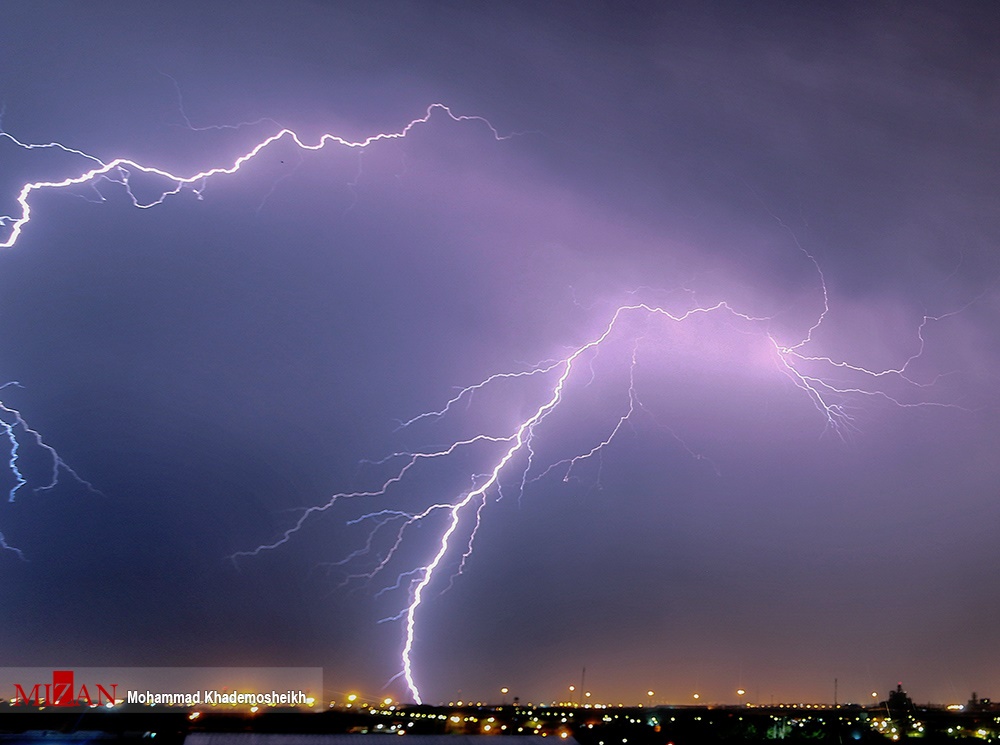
{"type": "Point", "coordinates": [516, 454]}
{"type": "Point", "coordinates": [16, 430]}
{"type": "Point", "coordinates": [830, 385]}
{"type": "Point", "coordinates": [119, 171]}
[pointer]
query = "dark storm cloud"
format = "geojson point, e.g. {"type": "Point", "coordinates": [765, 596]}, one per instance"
{"type": "Point", "coordinates": [212, 363]}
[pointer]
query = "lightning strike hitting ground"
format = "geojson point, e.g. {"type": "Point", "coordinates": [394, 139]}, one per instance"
{"type": "Point", "coordinates": [509, 457]}
{"type": "Point", "coordinates": [517, 457]}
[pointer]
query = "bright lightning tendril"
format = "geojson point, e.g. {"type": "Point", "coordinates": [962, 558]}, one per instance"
{"type": "Point", "coordinates": [119, 171]}
{"type": "Point", "coordinates": [514, 459]}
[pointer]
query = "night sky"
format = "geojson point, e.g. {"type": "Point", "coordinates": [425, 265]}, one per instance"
{"type": "Point", "coordinates": [249, 347]}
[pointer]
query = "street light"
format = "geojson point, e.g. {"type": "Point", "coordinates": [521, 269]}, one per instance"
{"type": "Point", "coordinates": [504, 691]}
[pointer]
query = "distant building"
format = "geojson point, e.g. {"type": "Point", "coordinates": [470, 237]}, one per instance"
{"type": "Point", "coordinates": [981, 704]}
{"type": "Point", "coordinates": [898, 700]}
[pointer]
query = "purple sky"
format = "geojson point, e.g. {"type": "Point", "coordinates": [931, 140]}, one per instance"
{"type": "Point", "coordinates": [212, 364]}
